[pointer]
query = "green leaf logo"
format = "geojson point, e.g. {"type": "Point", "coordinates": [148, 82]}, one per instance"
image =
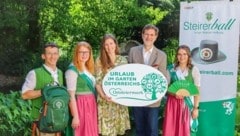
{"type": "Point", "coordinates": [209, 16]}
{"type": "Point", "coordinates": [152, 84]}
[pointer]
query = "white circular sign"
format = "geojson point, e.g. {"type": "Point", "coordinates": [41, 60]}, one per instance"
{"type": "Point", "coordinates": [135, 85]}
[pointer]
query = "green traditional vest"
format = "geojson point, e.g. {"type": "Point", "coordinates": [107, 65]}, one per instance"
{"type": "Point", "coordinates": [82, 86]}
{"type": "Point", "coordinates": [189, 77]}
{"type": "Point", "coordinates": [43, 77]}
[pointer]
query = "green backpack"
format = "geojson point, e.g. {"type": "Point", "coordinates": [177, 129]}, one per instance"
{"type": "Point", "coordinates": [55, 110]}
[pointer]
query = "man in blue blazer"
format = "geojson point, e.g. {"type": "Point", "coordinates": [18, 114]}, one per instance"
{"type": "Point", "coordinates": [146, 118]}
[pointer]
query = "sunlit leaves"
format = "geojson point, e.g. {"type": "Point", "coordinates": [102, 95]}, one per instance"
{"type": "Point", "coordinates": [156, 14]}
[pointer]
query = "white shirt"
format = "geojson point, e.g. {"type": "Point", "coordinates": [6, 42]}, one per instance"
{"type": "Point", "coordinates": [146, 55]}
{"type": "Point", "coordinates": [30, 80]}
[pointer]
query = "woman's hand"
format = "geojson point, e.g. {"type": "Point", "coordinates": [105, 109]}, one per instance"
{"type": "Point", "coordinates": [75, 122]}
{"type": "Point", "coordinates": [178, 96]}
{"type": "Point", "coordinates": [105, 97]}
{"type": "Point", "coordinates": [195, 113]}
{"type": "Point", "coordinates": [102, 94]}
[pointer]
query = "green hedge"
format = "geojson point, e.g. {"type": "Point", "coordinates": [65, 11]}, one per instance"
{"type": "Point", "coordinates": [14, 115]}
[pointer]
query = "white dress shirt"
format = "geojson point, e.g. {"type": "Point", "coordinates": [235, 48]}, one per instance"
{"type": "Point", "coordinates": [146, 55]}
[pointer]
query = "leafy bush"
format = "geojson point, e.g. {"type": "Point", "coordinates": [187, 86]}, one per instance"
{"type": "Point", "coordinates": [14, 115]}
{"type": "Point", "coordinates": [170, 49]}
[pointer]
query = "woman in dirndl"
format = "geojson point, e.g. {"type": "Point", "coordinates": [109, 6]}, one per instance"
{"type": "Point", "coordinates": [81, 86]}
{"type": "Point", "coordinates": [181, 112]}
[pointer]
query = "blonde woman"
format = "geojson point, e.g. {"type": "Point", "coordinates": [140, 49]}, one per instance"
{"type": "Point", "coordinates": [81, 86]}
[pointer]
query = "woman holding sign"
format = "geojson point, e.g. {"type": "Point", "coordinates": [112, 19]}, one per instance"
{"type": "Point", "coordinates": [113, 119]}
{"type": "Point", "coordinates": [181, 110]}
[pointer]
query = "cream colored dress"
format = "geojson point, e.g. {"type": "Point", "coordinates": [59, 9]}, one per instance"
{"type": "Point", "coordinates": [113, 119]}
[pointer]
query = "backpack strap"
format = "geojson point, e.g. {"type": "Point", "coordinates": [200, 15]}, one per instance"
{"type": "Point", "coordinates": [59, 83]}
{"type": "Point", "coordinates": [34, 128]}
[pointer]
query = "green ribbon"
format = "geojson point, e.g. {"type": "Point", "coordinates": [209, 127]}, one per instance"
{"type": "Point", "coordinates": [89, 83]}
{"type": "Point", "coordinates": [194, 124]}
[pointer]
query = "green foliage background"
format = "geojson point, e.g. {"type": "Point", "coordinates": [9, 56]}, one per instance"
{"type": "Point", "coordinates": [29, 24]}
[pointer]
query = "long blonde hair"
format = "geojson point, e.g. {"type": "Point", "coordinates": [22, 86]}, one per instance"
{"type": "Point", "coordinates": [104, 57]}
{"type": "Point", "coordinates": [90, 62]}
